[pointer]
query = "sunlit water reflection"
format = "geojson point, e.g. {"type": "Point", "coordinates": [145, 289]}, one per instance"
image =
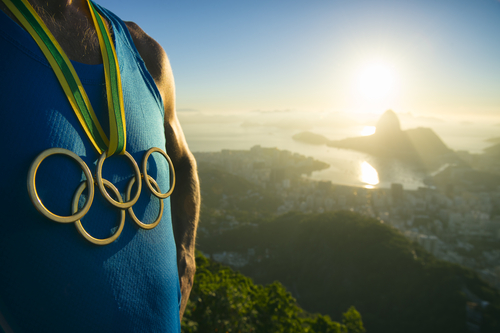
{"type": "Point", "coordinates": [369, 175]}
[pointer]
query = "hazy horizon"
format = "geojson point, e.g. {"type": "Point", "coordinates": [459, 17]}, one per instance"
{"type": "Point", "coordinates": [456, 133]}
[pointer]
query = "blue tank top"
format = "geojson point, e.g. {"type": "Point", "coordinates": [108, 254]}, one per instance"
{"type": "Point", "coordinates": [51, 278]}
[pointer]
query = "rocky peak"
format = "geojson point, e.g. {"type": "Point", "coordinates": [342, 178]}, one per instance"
{"type": "Point", "coordinates": [388, 123]}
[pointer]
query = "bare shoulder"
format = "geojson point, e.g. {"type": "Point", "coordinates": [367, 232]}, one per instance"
{"type": "Point", "coordinates": [156, 61]}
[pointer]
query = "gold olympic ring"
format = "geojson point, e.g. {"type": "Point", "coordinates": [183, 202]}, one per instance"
{"type": "Point", "coordinates": [79, 225]}
{"type": "Point", "coordinates": [131, 211]}
{"type": "Point", "coordinates": [120, 204]}
{"type": "Point", "coordinates": [35, 199]}
{"type": "Point", "coordinates": [146, 177]}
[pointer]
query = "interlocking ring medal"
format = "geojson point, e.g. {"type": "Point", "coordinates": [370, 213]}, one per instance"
{"type": "Point", "coordinates": [102, 183]}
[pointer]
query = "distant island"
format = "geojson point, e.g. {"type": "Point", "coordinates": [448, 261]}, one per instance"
{"type": "Point", "coordinates": [311, 138]}
{"type": "Point", "coordinates": [493, 140]}
{"type": "Point", "coordinates": [493, 151]}
{"type": "Point", "coordinates": [421, 146]}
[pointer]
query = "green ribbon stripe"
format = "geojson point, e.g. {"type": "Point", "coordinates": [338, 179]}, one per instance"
{"type": "Point", "coordinates": [115, 91]}
{"type": "Point", "coordinates": [92, 127]}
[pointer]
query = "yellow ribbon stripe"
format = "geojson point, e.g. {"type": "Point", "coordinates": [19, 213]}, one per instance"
{"type": "Point", "coordinates": [68, 78]}
{"type": "Point", "coordinates": [117, 126]}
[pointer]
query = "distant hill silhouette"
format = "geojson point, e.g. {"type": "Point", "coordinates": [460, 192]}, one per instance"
{"type": "Point", "coordinates": [420, 146]}
{"type": "Point", "coordinates": [311, 138]}
{"type": "Point", "coordinates": [493, 140]}
{"type": "Point", "coordinates": [218, 184]}
{"type": "Point", "coordinates": [493, 150]}
{"type": "Point", "coordinates": [388, 124]}
{"type": "Point", "coordinates": [334, 260]}
{"type": "Point", "coordinates": [466, 176]}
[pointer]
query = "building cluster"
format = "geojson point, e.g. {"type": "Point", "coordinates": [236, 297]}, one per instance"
{"type": "Point", "coordinates": [461, 225]}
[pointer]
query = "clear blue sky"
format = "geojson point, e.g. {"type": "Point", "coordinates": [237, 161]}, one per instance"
{"type": "Point", "coordinates": [236, 56]}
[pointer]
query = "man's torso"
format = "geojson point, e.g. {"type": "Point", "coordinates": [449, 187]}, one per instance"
{"type": "Point", "coordinates": [50, 274]}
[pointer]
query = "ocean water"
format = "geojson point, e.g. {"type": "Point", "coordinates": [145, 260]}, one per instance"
{"type": "Point", "coordinates": [210, 133]}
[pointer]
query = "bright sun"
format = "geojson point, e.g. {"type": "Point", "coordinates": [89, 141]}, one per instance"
{"type": "Point", "coordinates": [375, 82]}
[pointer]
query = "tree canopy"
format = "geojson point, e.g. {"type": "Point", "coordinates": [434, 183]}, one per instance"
{"type": "Point", "coordinates": [223, 300]}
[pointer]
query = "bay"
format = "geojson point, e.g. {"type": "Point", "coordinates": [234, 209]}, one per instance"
{"type": "Point", "coordinates": [206, 133]}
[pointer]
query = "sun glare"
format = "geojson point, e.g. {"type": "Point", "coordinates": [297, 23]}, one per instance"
{"type": "Point", "coordinates": [369, 175]}
{"type": "Point", "coordinates": [368, 130]}
{"type": "Point", "coordinates": [375, 82]}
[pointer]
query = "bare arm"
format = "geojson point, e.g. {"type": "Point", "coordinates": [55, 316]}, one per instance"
{"type": "Point", "coordinates": [185, 199]}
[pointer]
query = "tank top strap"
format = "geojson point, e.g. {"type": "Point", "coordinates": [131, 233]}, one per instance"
{"type": "Point", "coordinates": [128, 56]}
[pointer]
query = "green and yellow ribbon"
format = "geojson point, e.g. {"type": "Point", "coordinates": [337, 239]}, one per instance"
{"type": "Point", "coordinates": [68, 78]}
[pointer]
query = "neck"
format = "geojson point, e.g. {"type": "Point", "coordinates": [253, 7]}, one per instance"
{"type": "Point", "coordinates": [60, 8]}
{"type": "Point", "coordinates": [70, 22]}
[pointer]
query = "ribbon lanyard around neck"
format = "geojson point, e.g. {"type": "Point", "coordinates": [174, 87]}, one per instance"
{"type": "Point", "coordinates": [68, 78]}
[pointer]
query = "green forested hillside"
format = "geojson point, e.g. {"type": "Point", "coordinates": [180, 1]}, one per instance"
{"type": "Point", "coordinates": [223, 300]}
{"type": "Point", "coordinates": [334, 260]}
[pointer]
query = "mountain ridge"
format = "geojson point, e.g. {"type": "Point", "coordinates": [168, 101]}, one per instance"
{"type": "Point", "coordinates": [421, 145]}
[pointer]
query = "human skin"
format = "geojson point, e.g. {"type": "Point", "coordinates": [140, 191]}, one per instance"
{"type": "Point", "coordinates": [71, 24]}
